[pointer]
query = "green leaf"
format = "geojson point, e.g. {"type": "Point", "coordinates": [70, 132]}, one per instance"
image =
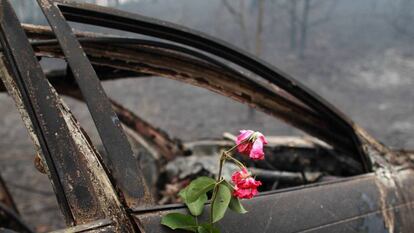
{"type": "Point", "coordinates": [199, 187]}
{"type": "Point", "coordinates": [179, 221]}
{"type": "Point", "coordinates": [221, 203]}
{"type": "Point", "coordinates": [235, 203]}
{"type": "Point", "coordinates": [183, 194]}
{"type": "Point", "coordinates": [205, 228]}
{"type": "Point", "coordinates": [201, 229]}
{"type": "Point", "coordinates": [196, 207]}
{"type": "Point", "coordinates": [236, 206]}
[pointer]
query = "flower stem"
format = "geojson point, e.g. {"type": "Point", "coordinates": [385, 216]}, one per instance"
{"type": "Point", "coordinates": [216, 187]}
{"type": "Point", "coordinates": [233, 147]}
{"type": "Point", "coordinates": [240, 164]}
{"type": "Point", "coordinates": [224, 156]}
{"type": "Point", "coordinates": [222, 161]}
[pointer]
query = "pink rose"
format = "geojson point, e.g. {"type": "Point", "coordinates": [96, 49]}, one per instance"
{"type": "Point", "coordinates": [251, 143]}
{"type": "Point", "coordinates": [245, 185]}
{"type": "Point", "coordinates": [240, 175]}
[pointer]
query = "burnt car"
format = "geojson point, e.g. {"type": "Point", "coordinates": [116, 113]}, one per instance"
{"type": "Point", "coordinates": [340, 179]}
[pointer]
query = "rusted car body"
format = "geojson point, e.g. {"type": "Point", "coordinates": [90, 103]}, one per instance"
{"type": "Point", "coordinates": [107, 192]}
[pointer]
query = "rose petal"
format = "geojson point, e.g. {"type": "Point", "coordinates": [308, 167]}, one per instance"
{"type": "Point", "coordinates": [245, 193]}
{"type": "Point", "coordinates": [239, 175]}
{"type": "Point", "coordinates": [244, 134]}
{"type": "Point", "coordinates": [245, 148]}
{"type": "Point", "coordinates": [246, 187]}
{"type": "Point", "coordinates": [257, 150]}
{"type": "Point", "coordinates": [262, 138]}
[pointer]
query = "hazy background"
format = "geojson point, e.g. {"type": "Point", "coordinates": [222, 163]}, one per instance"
{"type": "Point", "coordinates": [357, 54]}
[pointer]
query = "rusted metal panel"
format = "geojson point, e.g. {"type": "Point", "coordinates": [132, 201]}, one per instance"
{"type": "Point", "coordinates": [13, 36]}
{"type": "Point", "coordinates": [83, 188]}
{"type": "Point", "coordinates": [357, 204]}
{"type": "Point", "coordinates": [125, 170]}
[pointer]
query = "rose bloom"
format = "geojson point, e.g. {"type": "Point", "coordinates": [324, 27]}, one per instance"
{"type": "Point", "coordinates": [251, 143]}
{"type": "Point", "coordinates": [245, 185]}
